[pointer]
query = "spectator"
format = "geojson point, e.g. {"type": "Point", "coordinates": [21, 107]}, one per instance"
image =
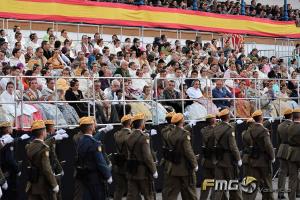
{"type": "Point", "coordinates": [221, 92]}
{"type": "Point", "coordinates": [171, 93]}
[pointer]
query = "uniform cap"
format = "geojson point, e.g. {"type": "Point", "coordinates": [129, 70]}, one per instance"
{"type": "Point", "coordinates": [224, 112]}
{"type": "Point", "coordinates": [256, 113]}
{"type": "Point", "coordinates": [125, 118]}
{"type": "Point", "coordinates": [209, 116]}
{"type": "Point", "coordinates": [5, 124]}
{"type": "Point", "coordinates": [86, 121]}
{"type": "Point", "coordinates": [138, 116]}
{"type": "Point", "coordinates": [288, 111]}
{"type": "Point", "coordinates": [296, 110]}
{"type": "Point", "coordinates": [176, 118]}
{"type": "Point", "coordinates": [49, 122]}
{"type": "Point", "coordinates": [38, 124]}
{"type": "Point", "coordinates": [170, 114]}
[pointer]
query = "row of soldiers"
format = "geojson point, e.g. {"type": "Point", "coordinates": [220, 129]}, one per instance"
{"type": "Point", "coordinates": [134, 164]}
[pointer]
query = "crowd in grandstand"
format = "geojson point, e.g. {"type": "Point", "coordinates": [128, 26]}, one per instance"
{"type": "Point", "coordinates": [206, 76]}
{"type": "Point", "coordinates": [275, 12]}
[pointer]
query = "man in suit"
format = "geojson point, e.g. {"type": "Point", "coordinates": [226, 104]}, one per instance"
{"type": "Point", "coordinates": [221, 92]}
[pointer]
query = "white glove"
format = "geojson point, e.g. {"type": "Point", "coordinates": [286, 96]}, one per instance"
{"type": "Point", "coordinates": [273, 160]}
{"type": "Point", "coordinates": [62, 173]}
{"type": "Point", "coordinates": [271, 120]}
{"type": "Point", "coordinates": [24, 137]}
{"type": "Point", "coordinates": [4, 186]}
{"type": "Point", "coordinates": [155, 175]}
{"type": "Point", "coordinates": [64, 135]}
{"type": "Point", "coordinates": [60, 131]}
{"type": "Point", "coordinates": [108, 128]}
{"type": "Point", "coordinates": [56, 189]}
{"type": "Point", "coordinates": [192, 123]}
{"type": "Point", "coordinates": [1, 193]}
{"type": "Point", "coordinates": [19, 174]}
{"type": "Point", "coordinates": [239, 121]}
{"type": "Point", "coordinates": [153, 132]}
{"type": "Point", "coordinates": [109, 181]}
{"type": "Point", "coordinates": [240, 163]}
{"type": "Point", "coordinates": [7, 139]}
{"type": "Point", "coordinates": [196, 168]}
{"type": "Point", "coordinates": [58, 137]}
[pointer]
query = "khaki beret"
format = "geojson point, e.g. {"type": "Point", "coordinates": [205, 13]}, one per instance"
{"type": "Point", "coordinates": [288, 111]}
{"type": "Point", "coordinates": [176, 118]}
{"type": "Point", "coordinates": [138, 116]}
{"type": "Point", "coordinates": [5, 124]}
{"type": "Point", "coordinates": [256, 113]}
{"type": "Point", "coordinates": [49, 122]}
{"type": "Point", "coordinates": [86, 121]}
{"type": "Point", "coordinates": [296, 110]}
{"type": "Point", "coordinates": [125, 118]}
{"type": "Point", "coordinates": [170, 114]}
{"type": "Point", "coordinates": [250, 120]}
{"type": "Point", "coordinates": [224, 112]}
{"type": "Point", "coordinates": [209, 116]}
{"type": "Point", "coordinates": [38, 124]}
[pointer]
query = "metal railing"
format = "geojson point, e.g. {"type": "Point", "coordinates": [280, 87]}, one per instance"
{"type": "Point", "coordinates": [156, 98]}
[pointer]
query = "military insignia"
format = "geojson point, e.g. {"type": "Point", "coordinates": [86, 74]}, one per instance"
{"type": "Point", "coordinates": [47, 153]}
{"type": "Point", "coordinates": [233, 134]}
{"type": "Point", "coordinates": [148, 141]}
{"type": "Point", "coordinates": [99, 149]}
{"type": "Point", "coordinates": [188, 137]}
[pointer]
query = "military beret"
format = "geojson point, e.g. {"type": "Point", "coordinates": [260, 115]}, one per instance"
{"type": "Point", "coordinates": [176, 118]}
{"type": "Point", "coordinates": [125, 118]}
{"type": "Point", "coordinates": [49, 122]}
{"type": "Point", "coordinates": [5, 124]}
{"type": "Point", "coordinates": [288, 111]}
{"type": "Point", "coordinates": [86, 121]}
{"type": "Point", "coordinates": [296, 110]}
{"type": "Point", "coordinates": [224, 112]}
{"type": "Point", "coordinates": [170, 114]}
{"type": "Point", "coordinates": [209, 116]}
{"type": "Point", "coordinates": [138, 116]}
{"type": "Point", "coordinates": [38, 124]}
{"type": "Point", "coordinates": [257, 113]}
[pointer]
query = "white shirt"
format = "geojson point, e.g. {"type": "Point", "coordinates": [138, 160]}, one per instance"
{"type": "Point", "coordinates": [194, 93]}
{"type": "Point", "coordinates": [132, 72]}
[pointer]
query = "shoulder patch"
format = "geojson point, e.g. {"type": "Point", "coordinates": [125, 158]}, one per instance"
{"type": "Point", "coordinates": [47, 153]}
{"type": "Point", "coordinates": [233, 134]}
{"type": "Point", "coordinates": [99, 148]}
{"type": "Point", "coordinates": [188, 137]}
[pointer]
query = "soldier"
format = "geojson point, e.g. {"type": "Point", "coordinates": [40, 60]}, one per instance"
{"type": "Point", "coordinates": [181, 163]}
{"type": "Point", "coordinates": [261, 158]}
{"type": "Point", "coordinates": [207, 161]}
{"type": "Point", "coordinates": [52, 136]}
{"type": "Point", "coordinates": [119, 159]}
{"type": "Point", "coordinates": [227, 154]}
{"type": "Point", "coordinates": [293, 156]}
{"type": "Point", "coordinates": [282, 132]}
{"type": "Point", "coordinates": [140, 165]}
{"type": "Point", "coordinates": [247, 144]}
{"type": "Point", "coordinates": [42, 182]}
{"type": "Point", "coordinates": [92, 169]}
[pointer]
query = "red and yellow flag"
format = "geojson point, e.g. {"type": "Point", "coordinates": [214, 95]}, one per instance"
{"type": "Point", "coordinates": [128, 15]}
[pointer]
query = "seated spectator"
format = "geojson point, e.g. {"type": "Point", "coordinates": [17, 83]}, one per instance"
{"type": "Point", "coordinates": [85, 82]}
{"type": "Point", "coordinates": [194, 92]}
{"type": "Point", "coordinates": [123, 70]}
{"type": "Point", "coordinates": [170, 93]}
{"type": "Point", "coordinates": [56, 61]}
{"type": "Point", "coordinates": [221, 92]}
{"type": "Point", "coordinates": [139, 82]}
{"type": "Point", "coordinates": [17, 57]}
{"type": "Point", "coordinates": [38, 58]}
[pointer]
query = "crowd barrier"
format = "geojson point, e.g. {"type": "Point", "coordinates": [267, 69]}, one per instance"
{"type": "Point", "coordinates": [66, 153]}
{"type": "Point", "coordinates": [156, 98]}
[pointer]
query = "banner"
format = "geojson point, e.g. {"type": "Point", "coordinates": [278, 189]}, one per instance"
{"type": "Point", "coordinates": [146, 16]}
